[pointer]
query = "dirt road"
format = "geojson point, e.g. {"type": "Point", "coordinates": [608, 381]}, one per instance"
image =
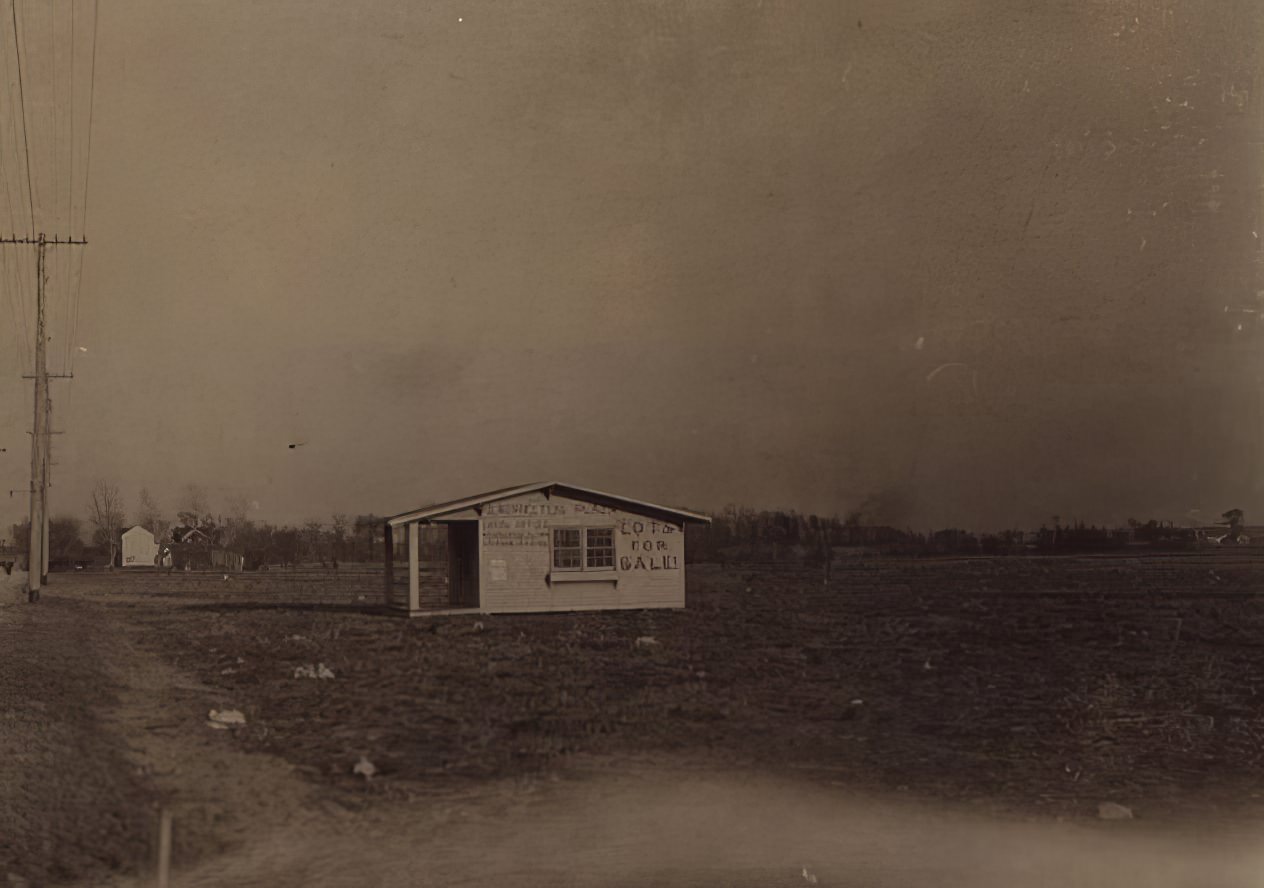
{"type": "Point", "coordinates": [70, 800]}
{"type": "Point", "coordinates": [708, 830]}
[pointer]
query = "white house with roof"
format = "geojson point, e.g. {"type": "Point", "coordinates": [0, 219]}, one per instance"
{"type": "Point", "coordinates": [538, 547]}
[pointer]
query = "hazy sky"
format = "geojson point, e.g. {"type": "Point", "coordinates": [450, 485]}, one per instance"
{"type": "Point", "coordinates": [695, 252]}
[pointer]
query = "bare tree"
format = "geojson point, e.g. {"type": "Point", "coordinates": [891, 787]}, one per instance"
{"type": "Point", "coordinates": [149, 516]}
{"type": "Point", "coordinates": [237, 508]}
{"type": "Point", "coordinates": [105, 511]}
{"type": "Point", "coordinates": [313, 541]}
{"type": "Point", "coordinates": [237, 524]}
{"type": "Point", "coordinates": [194, 506]}
{"type": "Point", "coordinates": [338, 533]}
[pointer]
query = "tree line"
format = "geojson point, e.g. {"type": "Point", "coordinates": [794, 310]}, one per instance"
{"type": "Point", "coordinates": [737, 533]}
{"type": "Point", "coordinates": [97, 537]}
{"type": "Point", "coordinates": [740, 533]}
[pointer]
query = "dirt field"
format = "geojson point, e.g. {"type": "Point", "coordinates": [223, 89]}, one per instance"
{"type": "Point", "coordinates": [1028, 690]}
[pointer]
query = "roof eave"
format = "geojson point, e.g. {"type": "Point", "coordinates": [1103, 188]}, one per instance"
{"type": "Point", "coordinates": [439, 510]}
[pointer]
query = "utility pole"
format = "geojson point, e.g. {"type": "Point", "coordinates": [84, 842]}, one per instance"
{"type": "Point", "coordinates": [1256, 162]}
{"type": "Point", "coordinates": [63, 49]}
{"type": "Point", "coordinates": [41, 448]}
{"type": "Point", "coordinates": [48, 462]}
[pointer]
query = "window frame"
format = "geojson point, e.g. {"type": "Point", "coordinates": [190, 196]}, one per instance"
{"type": "Point", "coordinates": [554, 548]}
{"type": "Point", "coordinates": [583, 530]}
{"type": "Point", "coordinates": [614, 559]}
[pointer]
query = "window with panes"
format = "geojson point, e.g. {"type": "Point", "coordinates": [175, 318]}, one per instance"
{"type": "Point", "coordinates": [583, 548]}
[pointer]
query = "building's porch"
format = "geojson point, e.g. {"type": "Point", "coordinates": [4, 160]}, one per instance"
{"type": "Point", "coordinates": [432, 568]}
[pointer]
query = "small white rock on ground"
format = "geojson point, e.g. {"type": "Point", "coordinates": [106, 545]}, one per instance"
{"type": "Point", "coordinates": [1113, 811]}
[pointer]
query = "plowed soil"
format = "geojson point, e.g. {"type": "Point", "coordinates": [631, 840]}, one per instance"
{"type": "Point", "coordinates": [1023, 689]}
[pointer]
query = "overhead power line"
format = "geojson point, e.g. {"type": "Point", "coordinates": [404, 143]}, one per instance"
{"type": "Point", "coordinates": [26, 141]}
{"type": "Point", "coordinates": [35, 257]}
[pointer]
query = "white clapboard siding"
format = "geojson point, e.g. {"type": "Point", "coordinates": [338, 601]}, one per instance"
{"type": "Point", "coordinates": [515, 564]}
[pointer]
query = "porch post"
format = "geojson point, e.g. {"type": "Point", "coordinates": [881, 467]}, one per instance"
{"type": "Point", "coordinates": [389, 565]}
{"type": "Point", "coordinates": [414, 567]}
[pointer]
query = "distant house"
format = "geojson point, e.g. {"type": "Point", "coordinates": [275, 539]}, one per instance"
{"type": "Point", "coordinates": [539, 547]}
{"type": "Point", "coordinates": [139, 548]}
{"type": "Point", "coordinates": [190, 536]}
{"type": "Point", "coordinates": [194, 548]}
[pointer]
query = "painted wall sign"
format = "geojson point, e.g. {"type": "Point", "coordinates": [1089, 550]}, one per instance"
{"type": "Point", "coordinates": [590, 509]}
{"type": "Point", "coordinates": [519, 538]}
{"type": "Point", "coordinates": [538, 509]}
{"type": "Point", "coordinates": [649, 562]}
{"type": "Point", "coordinates": [650, 549]}
{"type": "Point", "coordinates": [636, 527]}
{"type": "Point", "coordinates": [649, 545]}
{"type": "Point", "coordinates": [515, 524]}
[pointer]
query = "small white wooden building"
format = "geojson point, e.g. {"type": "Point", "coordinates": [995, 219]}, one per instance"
{"type": "Point", "coordinates": [539, 547]}
{"type": "Point", "coordinates": [139, 548]}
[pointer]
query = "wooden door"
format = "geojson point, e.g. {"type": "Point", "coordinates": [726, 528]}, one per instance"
{"type": "Point", "coordinates": [463, 563]}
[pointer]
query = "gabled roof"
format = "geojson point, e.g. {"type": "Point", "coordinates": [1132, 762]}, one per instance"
{"type": "Point", "coordinates": [439, 510]}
